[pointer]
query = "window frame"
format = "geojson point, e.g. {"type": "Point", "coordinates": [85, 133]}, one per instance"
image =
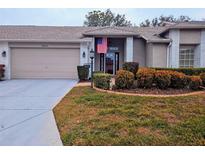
{"type": "Point", "coordinates": [186, 59]}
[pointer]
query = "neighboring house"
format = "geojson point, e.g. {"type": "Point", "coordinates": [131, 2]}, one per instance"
{"type": "Point", "coordinates": [55, 52]}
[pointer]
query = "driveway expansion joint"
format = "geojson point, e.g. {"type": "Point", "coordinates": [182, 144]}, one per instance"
{"type": "Point", "coordinates": [22, 121]}
{"type": "Point", "coordinates": [26, 110]}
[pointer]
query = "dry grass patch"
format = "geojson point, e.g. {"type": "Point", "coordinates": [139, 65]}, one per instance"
{"type": "Point", "coordinates": [89, 117]}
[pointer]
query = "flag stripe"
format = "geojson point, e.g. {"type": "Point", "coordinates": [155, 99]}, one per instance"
{"type": "Point", "coordinates": [102, 45]}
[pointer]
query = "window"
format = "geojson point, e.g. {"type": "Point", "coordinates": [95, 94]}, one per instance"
{"type": "Point", "coordinates": [186, 58]}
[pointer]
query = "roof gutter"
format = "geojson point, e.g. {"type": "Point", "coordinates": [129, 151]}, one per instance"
{"type": "Point", "coordinates": [159, 41]}
{"type": "Point", "coordinates": [166, 30]}
{"type": "Point", "coordinates": [44, 40]}
{"type": "Point", "coordinates": [110, 34]}
{"type": "Point", "coordinates": [168, 53]}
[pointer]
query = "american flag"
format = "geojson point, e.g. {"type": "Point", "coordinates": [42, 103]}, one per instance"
{"type": "Point", "coordinates": [102, 45]}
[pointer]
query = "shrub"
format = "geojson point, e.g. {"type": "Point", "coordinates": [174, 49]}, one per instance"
{"type": "Point", "coordinates": [98, 72]}
{"type": "Point", "coordinates": [83, 72]}
{"type": "Point", "coordinates": [178, 80]}
{"type": "Point", "coordinates": [135, 84]}
{"type": "Point", "coordinates": [124, 79]}
{"type": "Point", "coordinates": [145, 77]}
{"type": "Point", "coordinates": [2, 71]}
{"type": "Point", "coordinates": [186, 71]}
{"type": "Point", "coordinates": [202, 76]}
{"type": "Point", "coordinates": [162, 79]}
{"type": "Point", "coordinates": [195, 82]}
{"type": "Point", "coordinates": [131, 66]}
{"type": "Point", "coordinates": [102, 80]}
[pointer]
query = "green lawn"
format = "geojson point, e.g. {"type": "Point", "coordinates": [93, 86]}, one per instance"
{"type": "Point", "coordinates": [88, 117]}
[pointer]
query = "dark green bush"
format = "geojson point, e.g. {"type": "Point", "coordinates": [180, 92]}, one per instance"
{"type": "Point", "coordinates": [162, 79]}
{"type": "Point", "coordinates": [145, 77]}
{"type": "Point", "coordinates": [131, 67]}
{"type": "Point", "coordinates": [195, 82]}
{"type": "Point", "coordinates": [202, 76]}
{"type": "Point", "coordinates": [124, 79]}
{"type": "Point", "coordinates": [83, 72]}
{"type": "Point", "coordinates": [102, 80]}
{"type": "Point", "coordinates": [178, 80]}
{"type": "Point", "coordinates": [186, 71]}
{"type": "Point", "coordinates": [2, 70]}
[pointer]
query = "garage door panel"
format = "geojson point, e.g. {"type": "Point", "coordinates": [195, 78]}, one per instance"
{"type": "Point", "coordinates": [50, 75]}
{"type": "Point", "coordinates": [44, 63]}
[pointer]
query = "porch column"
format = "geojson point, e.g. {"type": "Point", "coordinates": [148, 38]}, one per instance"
{"type": "Point", "coordinates": [129, 49]}
{"type": "Point", "coordinates": [174, 49]}
{"type": "Point", "coordinates": [90, 46]}
{"type": "Point", "coordinates": [202, 49]}
{"type": "Point", "coordinates": [5, 60]}
{"type": "Point", "coordinates": [197, 58]}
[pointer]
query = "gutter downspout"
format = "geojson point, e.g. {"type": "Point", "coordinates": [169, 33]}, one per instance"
{"type": "Point", "coordinates": [168, 54]}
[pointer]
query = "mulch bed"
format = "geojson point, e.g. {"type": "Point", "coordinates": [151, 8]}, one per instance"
{"type": "Point", "coordinates": [156, 91]}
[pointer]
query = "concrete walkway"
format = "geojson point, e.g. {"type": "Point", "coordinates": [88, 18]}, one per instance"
{"type": "Point", "coordinates": [26, 116]}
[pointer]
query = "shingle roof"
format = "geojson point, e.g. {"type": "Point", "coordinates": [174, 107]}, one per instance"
{"type": "Point", "coordinates": [151, 34]}
{"type": "Point", "coordinates": [47, 33]}
{"type": "Point", "coordinates": [148, 33]}
{"type": "Point", "coordinates": [78, 34]}
{"type": "Point", "coordinates": [116, 31]}
{"type": "Point", "coordinates": [186, 25]}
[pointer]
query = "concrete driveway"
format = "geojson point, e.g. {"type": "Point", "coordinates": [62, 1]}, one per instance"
{"type": "Point", "coordinates": [26, 116]}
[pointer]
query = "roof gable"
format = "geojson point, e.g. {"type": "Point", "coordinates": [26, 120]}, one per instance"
{"type": "Point", "coordinates": [186, 25]}
{"type": "Point", "coordinates": [110, 31]}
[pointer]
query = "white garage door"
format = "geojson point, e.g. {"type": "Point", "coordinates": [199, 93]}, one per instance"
{"type": "Point", "coordinates": [44, 63]}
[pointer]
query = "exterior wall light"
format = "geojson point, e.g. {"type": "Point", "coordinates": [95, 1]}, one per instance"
{"type": "Point", "coordinates": [92, 54]}
{"type": "Point", "coordinates": [83, 54]}
{"type": "Point", "coordinates": [3, 54]}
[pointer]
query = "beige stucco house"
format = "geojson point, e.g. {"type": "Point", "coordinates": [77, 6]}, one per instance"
{"type": "Point", "coordinates": [55, 52]}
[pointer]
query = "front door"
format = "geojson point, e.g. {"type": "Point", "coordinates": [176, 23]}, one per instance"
{"type": "Point", "coordinates": [111, 62]}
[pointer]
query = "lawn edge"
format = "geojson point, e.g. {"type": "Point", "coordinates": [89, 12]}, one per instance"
{"type": "Point", "coordinates": [149, 95]}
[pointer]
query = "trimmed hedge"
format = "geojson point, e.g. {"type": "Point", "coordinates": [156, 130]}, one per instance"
{"type": "Point", "coordinates": [162, 79]}
{"type": "Point", "coordinates": [145, 77]}
{"type": "Point", "coordinates": [178, 80]}
{"type": "Point", "coordinates": [124, 79]}
{"type": "Point", "coordinates": [186, 71]}
{"type": "Point", "coordinates": [102, 80]}
{"type": "Point", "coordinates": [195, 82]}
{"type": "Point", "coordinates": [83, 72]}
{"type": "Point", "coordinates": [2, 70]}
{"type": "Point", "coordinates": [131, 66]}
{"type": "Point", "coordinates": [202, 76]}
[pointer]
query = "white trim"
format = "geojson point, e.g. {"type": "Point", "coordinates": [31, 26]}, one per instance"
{"type": "Point", "coordinates": [9, 63]}
{"type": "Point", "coordinates": [168, 54]}
{"type": "Point", "coordinates": [129, 49]}
{"type": "Point", "coordinates": [202, 51]}
{"type": "Point", "coordinates": [84, 47]}
{"type": "Point", "coordinates": [197, 56]}
{"type": "Point", "coordinates": [174, 49]}
{"type": "Point", "coordinates": [191, 51]}
{"type": "Point", "coordinates": [91, 47]}
{"type": "Point", "coordinates": [5, 60]}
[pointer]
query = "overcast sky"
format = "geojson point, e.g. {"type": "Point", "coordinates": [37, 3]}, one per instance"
{"type": "Point", "coordinates": [75, 17]}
